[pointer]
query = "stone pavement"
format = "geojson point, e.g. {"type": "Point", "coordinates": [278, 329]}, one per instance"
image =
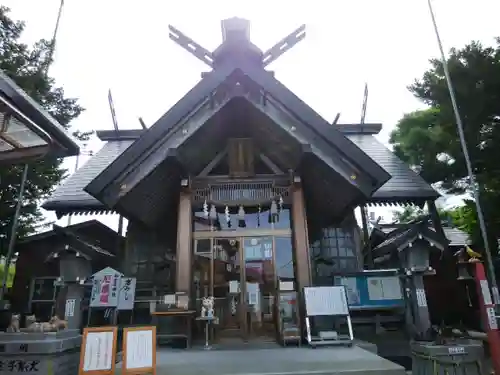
{"type": "Point", "coordinates": [275, 361]}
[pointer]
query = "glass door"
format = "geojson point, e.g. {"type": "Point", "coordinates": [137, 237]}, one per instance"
{"type": "Point", "coordinates": [226, 288]}
{"type": "Point", "coordinates": [259, 287]}
{"type": "Point", "coordinates": [240, 273]}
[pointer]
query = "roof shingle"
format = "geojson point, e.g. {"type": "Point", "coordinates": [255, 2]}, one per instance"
{"type": "Point", "coordinates": [404, 182]}
{"type": "Point", "coordinates": [70, 195]}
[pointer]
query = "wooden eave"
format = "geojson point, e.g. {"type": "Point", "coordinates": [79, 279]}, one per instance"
{"type": "Point", "coordinates": [152, 148]}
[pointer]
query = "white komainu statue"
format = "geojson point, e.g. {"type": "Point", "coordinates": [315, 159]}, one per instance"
{"type": "Point", "coordinates": [207, 307]}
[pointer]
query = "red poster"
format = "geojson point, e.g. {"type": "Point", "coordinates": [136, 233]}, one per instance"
{"type": "Point", "coordinates": [105, 286]}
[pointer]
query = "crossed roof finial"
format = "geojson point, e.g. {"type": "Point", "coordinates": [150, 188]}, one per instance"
{"type": "Point", "coordinates": [235, 33]}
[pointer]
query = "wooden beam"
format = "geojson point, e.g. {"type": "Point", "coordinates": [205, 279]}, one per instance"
{"type": "Point", "coordinates": [23, 154]}
{"type": "Point", "coordinates": [300, 237]}
{"type": "Point", "coordinates": [184, 255]}
{"type": "Point", "coordinates": [301, 245]}
{"type": "Point", "coordinates": [143, 124]}
{"type": "Point", "coordinates": [269, 163]}
{"type": "Point", "coordinates": [366, 237]}
{"type": "Point", "coordinates": [215, 161]}
{"type": "Point", "coordinates": [436, 220]}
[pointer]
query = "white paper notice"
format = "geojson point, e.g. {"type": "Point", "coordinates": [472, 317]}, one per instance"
{"type": "Point", "coordinates": [98, 351]}
{"type": "Point", "coordinates": [421, 299]}
{"type": "Point", "coordinates": [326, 300]}
{"type": "Point", "coordinates": [139, 350]}
{"type": "Point", "coordinates": [375, 292]}
{"type": "Point", "coordinates": [391, 287]}
{"type": "Point", "coordinates": [351, 288]}
{"type": "Point", "coordinates": [384, 288]}
{"type": "Point", "coordinates": [492, 319]}
{"type": "Point", "coordinates": [496, 296]}
{"type": "Point", "coordinates": [485, 291]}
{"type": "Point", "coordinates": [70, 308]}
{"type": "Point", "coordinates": [286, 286]}
{"type": "Point", "coordinates": [234, 286]}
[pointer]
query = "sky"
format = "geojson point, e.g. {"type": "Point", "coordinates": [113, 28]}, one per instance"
{"type": "Point", "coordinates": [124, 46]}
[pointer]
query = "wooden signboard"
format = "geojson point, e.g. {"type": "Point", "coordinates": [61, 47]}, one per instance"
{"type": "Point", "coordinates": [98, 351]}
{"type": "Point", "coordinates": [139, 350]}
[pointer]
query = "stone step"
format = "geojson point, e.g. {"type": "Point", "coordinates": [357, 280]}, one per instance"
{"type": "Point", "coordinates": [276, 361]}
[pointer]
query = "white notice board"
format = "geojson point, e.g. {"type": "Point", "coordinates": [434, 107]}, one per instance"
{"type": "Point", "coordinates": [139, 349]}
{"type": "Point", "coordinates": [98, 351]}
{"type": "Point", "coordinates": [326, 300]}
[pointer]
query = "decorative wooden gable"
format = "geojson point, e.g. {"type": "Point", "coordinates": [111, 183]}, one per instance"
{"type": "Point", "coordinates": [240, 153]}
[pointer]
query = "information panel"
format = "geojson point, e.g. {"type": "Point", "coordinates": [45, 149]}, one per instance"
{"type": "Point", "coordinates": [139, 350]}
{"type": "Point", "coordinates": [326, 300]}
{"type": "Point", "coordinates": [98, 351]}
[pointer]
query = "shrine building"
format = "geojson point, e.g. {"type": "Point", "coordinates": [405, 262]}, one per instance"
{"type": "Point", "coordinates": [240, 191]}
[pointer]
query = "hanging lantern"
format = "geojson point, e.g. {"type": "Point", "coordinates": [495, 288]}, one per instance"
{"type": "Point", "coordinates": [241, 217]}
{"type": "Point", "coordinates": [205, 209]}
{"type": "Point", "coordinates": [228, 216]}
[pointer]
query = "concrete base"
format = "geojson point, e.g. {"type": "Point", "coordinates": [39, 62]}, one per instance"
{"type": "Point", "coordinates": [282, 361]}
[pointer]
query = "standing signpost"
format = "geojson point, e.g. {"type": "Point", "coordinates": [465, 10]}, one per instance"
{"type": "Point", "coordinates": [126, 293]}
{"type": "Point", "coordinates": [98, 351]}
{"type": "Point", "coordinates": [488, 315]}
{"type": "Point", "coordinates": [139, 350]}
{"type": "Point", "coordinates": [105, 291]}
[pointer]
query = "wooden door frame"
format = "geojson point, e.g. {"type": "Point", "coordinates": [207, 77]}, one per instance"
{"type": "Point", "coordinates": [241, 235]}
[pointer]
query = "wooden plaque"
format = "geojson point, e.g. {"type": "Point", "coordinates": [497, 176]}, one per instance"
{"type": "Point", "coordinates": [98, 351]}
{"type": "Point", "coordinates": [139, 350]}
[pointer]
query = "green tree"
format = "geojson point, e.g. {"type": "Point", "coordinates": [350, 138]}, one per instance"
{"type": "Point", "coordinates": [27, 66]}
{"type": "Point", "coordinates": [429, 141]}
{"type": "Point", "coordinates": [408, 214]}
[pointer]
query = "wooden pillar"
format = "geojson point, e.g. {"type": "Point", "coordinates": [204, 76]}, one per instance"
{"type": "Point", "coordinates": [366, 238]}
{"type": "Point", "coordinates": [184, 254]}
{"type": "Point", "coordinates": [436, 220]}
{"type": "Point", "coordinates": [300, 237]}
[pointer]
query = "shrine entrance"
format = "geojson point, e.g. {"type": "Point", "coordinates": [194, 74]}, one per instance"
{"type": "Point", "coordinates": [242, 273]}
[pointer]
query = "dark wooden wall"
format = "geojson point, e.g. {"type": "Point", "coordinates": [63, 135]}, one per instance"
{"type": "Point", "coordinates": [31, 261]}
{"type": "Point", "coordinates": [449, 300]}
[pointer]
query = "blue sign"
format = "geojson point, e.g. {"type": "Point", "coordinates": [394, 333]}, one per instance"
{"type": "Point", "coordinates": [372, 291]}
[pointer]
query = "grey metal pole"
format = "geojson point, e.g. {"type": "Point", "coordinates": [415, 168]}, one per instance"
{"type": "Point", "coordinates": [13, 232]}
{"type": "Point", "coordinates": [475, 190]}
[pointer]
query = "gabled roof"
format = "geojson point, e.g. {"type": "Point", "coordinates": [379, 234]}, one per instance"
{"type": "Point", "coordinates": [455, 236]}
{"type": "Point", "coordinates": [71, 194]}
{"type": "Point", "coordinates": [168, 124]}
{"type": "Point", "coordinates": [400, 238]}
{"type": "Point", "coordinates": [404, 185]}
{"type": "Point", "coordinates": [95, 225]}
